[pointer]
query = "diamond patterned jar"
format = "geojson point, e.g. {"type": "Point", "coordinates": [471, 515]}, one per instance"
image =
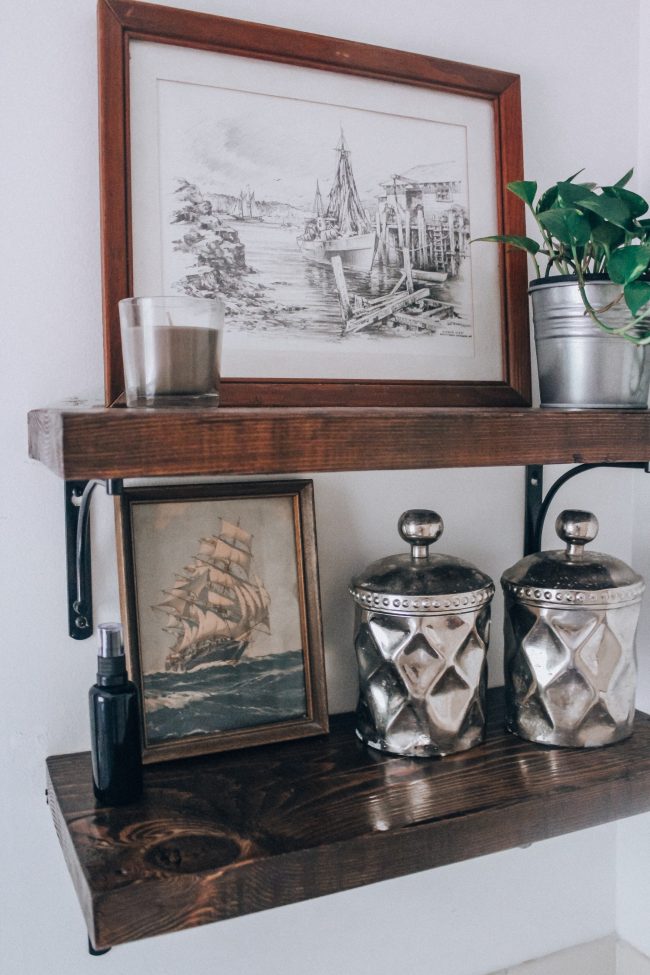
{"type": "Point", "coordinates": [570, 625]}
{"type": "Point", "coordinates": [421, 634]}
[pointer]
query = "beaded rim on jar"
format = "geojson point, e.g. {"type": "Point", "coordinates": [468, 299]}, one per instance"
{"type": "Point", "coordinates": [398, 605]}
{"type": "Point", "coordinates": [588, 598]}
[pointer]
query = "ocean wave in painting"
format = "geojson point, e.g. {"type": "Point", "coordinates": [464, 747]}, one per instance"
{"type": "Point", "coordinates": [225, 696]}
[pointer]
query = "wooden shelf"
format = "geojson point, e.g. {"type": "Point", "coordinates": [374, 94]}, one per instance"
{"type": "Point", "coordinates": [227, 835]}
{"type": "Point", "coordinates": [79, 444]}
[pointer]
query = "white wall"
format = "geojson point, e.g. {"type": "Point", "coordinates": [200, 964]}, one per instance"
{"type": "Point", "coordinates": [633, 835]}
{"type": "Point", "coordinates": [641, 497]}
{"type": "Point", "coordinates": [469, 918]}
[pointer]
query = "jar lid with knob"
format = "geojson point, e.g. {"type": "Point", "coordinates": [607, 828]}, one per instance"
{"type": "Point", "coordinates": [574, 575]}
{"type": "Point", "coordinates": [421, 582]}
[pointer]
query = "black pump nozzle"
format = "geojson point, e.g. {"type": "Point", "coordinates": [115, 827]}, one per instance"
{"type": "Point", "coordinates": [110, 640]}
{"type": "Point", "coordinates": [111, 665]}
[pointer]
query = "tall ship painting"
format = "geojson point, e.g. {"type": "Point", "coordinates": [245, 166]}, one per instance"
{"type": "Point", "coordinates": [216, 603]}
{"type": "Point", "coordinates": [342, 228]}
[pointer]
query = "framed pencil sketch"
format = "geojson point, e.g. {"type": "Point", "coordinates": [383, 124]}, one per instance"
{"type": "Point", "coordinates": [328, 191]}
{"type": "Point", "coordinates": [219, 593]}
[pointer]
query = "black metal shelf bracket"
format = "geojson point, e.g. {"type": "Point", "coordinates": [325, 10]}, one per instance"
{"type": "Point", "coordinates": [77, 535]}
{"type": "Point", "coordinates": [537, 504]}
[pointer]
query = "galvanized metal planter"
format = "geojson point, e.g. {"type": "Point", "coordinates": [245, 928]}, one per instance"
{"type": "Point", "coordinates": [421, 634]}
{"type": "Point", "coordinates": [570, 625]}
{"type": "Point", "coordinates": [581, 366]}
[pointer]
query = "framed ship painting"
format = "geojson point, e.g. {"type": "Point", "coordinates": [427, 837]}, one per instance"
{"type": "Point", "coordinates": [219, 591]}
{"type": "Point", "coordinates": [329, 192]}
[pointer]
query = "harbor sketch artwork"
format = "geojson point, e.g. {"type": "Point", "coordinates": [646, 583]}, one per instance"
{"type": "Point", "coordinates": [334, 211]}
{"type": "Point", "coordinates": [219, 624]}
{"type": "Point", "coordinates": [319, 223]}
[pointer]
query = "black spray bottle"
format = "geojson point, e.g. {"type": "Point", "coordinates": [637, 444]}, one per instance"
{"type": "Point", "coordinates": [114, 724]}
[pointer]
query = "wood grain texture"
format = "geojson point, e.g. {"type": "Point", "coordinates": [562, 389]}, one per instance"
{"type": "Point", "coordinates": [120, 22]}
{"type": "Point", "coordinates": [217, 837]}
{"type": "Point", "coordinates": [114, 184]}
{"type": "Point", "coordinates": [368, 393]}
{"type": "Point", "coordinates": [514, 262]}
{"type": "Point", "coordinates": [84, 443]}
{"type": "Point", "coordinates": [194, 29]}
{"type": "Point", "coordinates": [45, 438]}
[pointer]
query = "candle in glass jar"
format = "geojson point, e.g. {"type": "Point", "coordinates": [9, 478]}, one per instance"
{"type": "Point", "coordinates": [172, 360]}
{"type": "Point", "coordinates": [169, 360]}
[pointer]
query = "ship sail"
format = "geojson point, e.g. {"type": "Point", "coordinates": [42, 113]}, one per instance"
{"type": "Point", "coordinates": [216, 599]}
{"type": "Point", "coordinates": [176, 604]}
{"type": "Point", "coordinates": [219, 578]}
{"type": "Point", "coordinates": [220, 549]}
{"type": "Point", "coordinates": [215, 603]}
{"type": "Point", "coordinates": [236, 534]}
{"type": "Point", "coordinates": [342, 229]}
{"type": "Point", "coordinates": [318, 208]}
{"type": "Point", "coordinates": [210, 625]}
{"type": "Point", "coordinates": [246, 206]}
{"type": "Point", "coordinates": [187, 635]}
{"type": "Point", "coordinates": [250, 202]}
{"type": "Point", "coordinates": [344, 205]}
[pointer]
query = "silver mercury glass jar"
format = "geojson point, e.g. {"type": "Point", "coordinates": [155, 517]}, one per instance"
{"type": "Point", "coordinates": [421, 634]}
{"type": "Point", "coordinates": [570, 624]}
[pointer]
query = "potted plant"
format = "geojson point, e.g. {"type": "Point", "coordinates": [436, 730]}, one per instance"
{"type": "Point", "coordinates": [591, 310]}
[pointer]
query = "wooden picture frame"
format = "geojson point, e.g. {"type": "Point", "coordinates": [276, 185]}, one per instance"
{"type": "Point", "coordinates": [504, 318]}
{"type": "Point", "coordinates": [220, 603]}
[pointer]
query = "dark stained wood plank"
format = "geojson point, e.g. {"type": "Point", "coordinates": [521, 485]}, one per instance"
{"type": "Point", "coordinates": [116, 442]}
{"type": "Point", "coordinates": [226, 835]}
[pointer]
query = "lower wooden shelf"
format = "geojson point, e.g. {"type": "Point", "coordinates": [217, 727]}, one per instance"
{"type": "Point", "coordinates": [226, 835]}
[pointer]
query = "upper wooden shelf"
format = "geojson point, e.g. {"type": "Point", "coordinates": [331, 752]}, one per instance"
{"type": "Point", "coordinates": [82, 443]}
{"type": "Point", "coordinates": [226, 835]}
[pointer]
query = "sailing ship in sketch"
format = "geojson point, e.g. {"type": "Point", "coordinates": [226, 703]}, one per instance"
{"type": "Point", "coordinates": [216, 603]}
{"type": "Point", "coordinates": [245, 206]}
{"type": "Point", "coordinates": [342, 229]}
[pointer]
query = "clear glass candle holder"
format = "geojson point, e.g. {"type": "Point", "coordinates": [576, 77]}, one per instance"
{"type": "Point", "coordinates": [171, 350]}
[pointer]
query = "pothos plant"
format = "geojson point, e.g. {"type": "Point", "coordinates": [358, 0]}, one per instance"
{"type": "Point", "coordinates": [588, 230]}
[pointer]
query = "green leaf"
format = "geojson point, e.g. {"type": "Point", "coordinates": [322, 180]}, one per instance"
{"type": "Point", "coordinates": [637, 294]}
{"type": "Point", "coordinates": [608, 208]}
{"type": "Point", "coordinates": [624, 180]}
{"type": "Point", "coordinates": [607, 235]}
{"type": "Point", "coordinates": [636, 204]}
{"type": "Point", "coordinates": [547, 199]}
{"type": "Point", "coordinates": [571, 178]}
{"type": "Point", "coordinates": [628, 263]}
{"type": "Point", "coordinates": [523, 243]}
{"type": "Point", "coordinates": [524, 189]}
{"type": "Point", "coordinates": [570, 193]}
{"type": "Point", "coordinates": [567, 225]}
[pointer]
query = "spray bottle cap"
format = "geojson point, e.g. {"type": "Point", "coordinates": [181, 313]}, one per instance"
{"type": "Point", "coordinates": [110, 640]}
